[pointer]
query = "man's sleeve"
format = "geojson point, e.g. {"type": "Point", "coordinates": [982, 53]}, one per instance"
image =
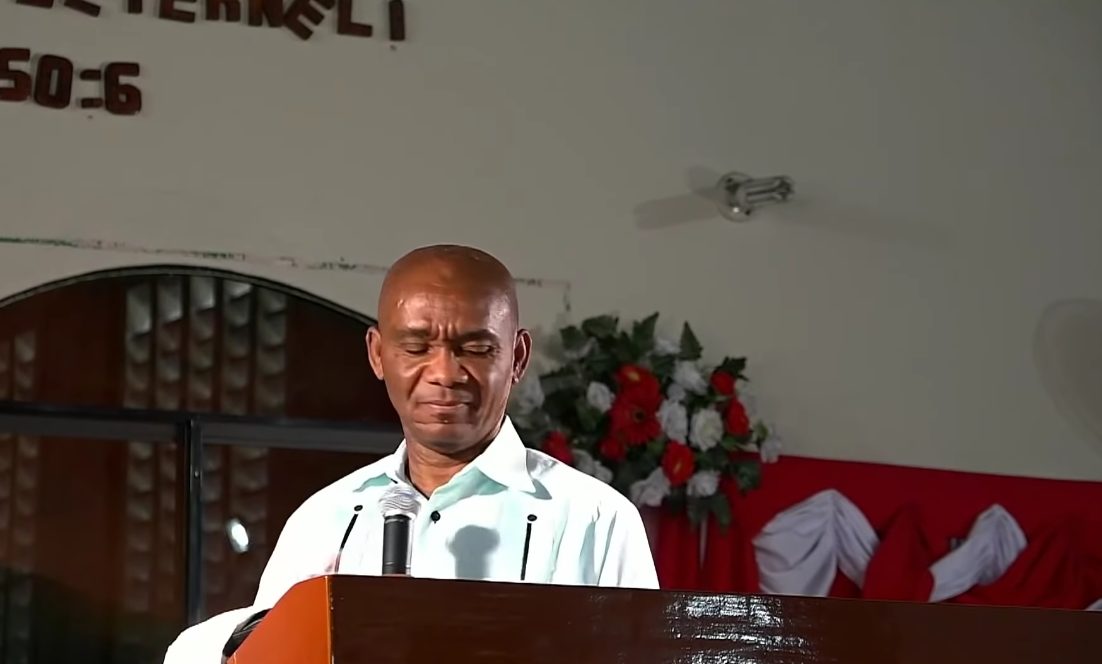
{"type": "Point", "coordinates": [627, 561]}
{"type": "Point", "coordinates": [203, 643]}
{"type": "Point", "coordinates": [293, 560]}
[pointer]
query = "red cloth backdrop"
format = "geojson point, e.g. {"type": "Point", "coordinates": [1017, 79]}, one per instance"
{"type": "Point", "coordinates": [917, 514]}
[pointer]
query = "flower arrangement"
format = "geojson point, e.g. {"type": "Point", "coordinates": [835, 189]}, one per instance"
{"type": "Point", "coordinates": [638, 412]}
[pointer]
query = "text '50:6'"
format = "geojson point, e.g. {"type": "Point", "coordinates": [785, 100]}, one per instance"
{"type": "Point", "coordinates": [49, 82]}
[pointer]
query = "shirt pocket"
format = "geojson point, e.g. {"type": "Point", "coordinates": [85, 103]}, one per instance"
{"type": "Point", "coordinates": [514, 545]}
{"type": "Point", "coordinates": [538, 538]}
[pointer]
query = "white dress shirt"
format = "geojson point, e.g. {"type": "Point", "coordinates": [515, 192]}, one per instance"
{"type": "Point", "coordinates": [583, 532]}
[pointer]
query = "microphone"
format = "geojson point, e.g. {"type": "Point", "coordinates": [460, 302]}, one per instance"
{"type": "Point", "coordinates": [399, 505]}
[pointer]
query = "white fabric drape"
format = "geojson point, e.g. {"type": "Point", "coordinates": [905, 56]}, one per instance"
{"type": "Point", "coordinates": [800, 550]}
{"type": "Point", "coordinates": [994, 543]}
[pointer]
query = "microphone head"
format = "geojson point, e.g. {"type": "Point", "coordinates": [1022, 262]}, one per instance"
{"type": "Point", "coordinates": [399, 500]}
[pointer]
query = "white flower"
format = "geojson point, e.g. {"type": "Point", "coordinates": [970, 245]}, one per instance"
{"type": "Point", "coordinates": [674, 419]}
{"type": "Point", "coordinates": [687, 375]}
{"type": "Point", "coordinates": [749, 398]}
{"type": "Point", "coordinates": [585, 462]}
{"type": "Point", "coordinates": [528, 394]}
{"type": "Point", "coordinates": [651, 491]}
{"type": "Point", "coordinates": [707, 429]}
{"type": "Point", "coordinates": [664, 346]}
{"type": "Point", "coordinates": [675, 392]}
{"type": "Point", "coordinates": [703, 483]}
{"type": "Point", "coordinates": [771, 450]}
{"type": "Point", "coordinates": [599, 396]}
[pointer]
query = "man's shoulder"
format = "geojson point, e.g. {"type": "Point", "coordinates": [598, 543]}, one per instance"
{"type": "Point", "coordinates": [344, 489]}
{"type": "Point", "coordinates": [564, 482]}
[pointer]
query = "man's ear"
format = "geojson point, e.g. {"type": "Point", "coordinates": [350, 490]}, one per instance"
{"type": "Point", "coordinates": [375, 351]}
{"type": "Point", "coordinates": [522, 354]}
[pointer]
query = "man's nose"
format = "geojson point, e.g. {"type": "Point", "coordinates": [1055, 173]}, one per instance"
{"type": "Point", "coordinates": [445, 368]}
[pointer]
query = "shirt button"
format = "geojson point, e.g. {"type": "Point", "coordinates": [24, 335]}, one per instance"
{"type": "Point", "coordinates": [435, 516]}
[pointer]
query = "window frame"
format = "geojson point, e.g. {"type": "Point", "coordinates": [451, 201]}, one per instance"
{"type": "Point", "coordinates": [191, 431]}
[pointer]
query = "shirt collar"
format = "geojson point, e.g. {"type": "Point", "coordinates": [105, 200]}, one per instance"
{"type": "Point", "coordinates": [505, 461]}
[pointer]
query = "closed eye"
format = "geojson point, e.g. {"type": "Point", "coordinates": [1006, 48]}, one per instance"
{"type": "Point", "coordinates": [478, 349]}
{"type": "Point", "coordinates": [415, 349]}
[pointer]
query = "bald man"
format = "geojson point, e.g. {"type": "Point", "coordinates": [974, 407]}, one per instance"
{"type": "Point", "coordinates": [449, 347]}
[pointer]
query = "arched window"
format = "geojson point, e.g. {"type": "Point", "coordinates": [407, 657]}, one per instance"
{"type": "Point", "coordinates": [157, 427]}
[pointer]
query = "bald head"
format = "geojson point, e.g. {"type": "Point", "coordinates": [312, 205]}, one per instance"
{"type": "Point", "coordinates": [466, 270]}
{"type": "Point", "coordinates": [449, 346]}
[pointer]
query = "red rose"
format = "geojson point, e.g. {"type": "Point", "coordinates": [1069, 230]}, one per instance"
{"type": "Point", "coordinates": [678, 462]}
{"type": "Point", "coordinates": [736, 420]}
{"type": "Point", "coordinates": [723, 383]}
{"type": "Point", "coordinates": [634, 420]}
{"type": "Point", "coordinates": [557, 445]}
{"type": "Point", "coordinates": [640, 383]}
{"type": "Point", "coordinates": [613, 449]}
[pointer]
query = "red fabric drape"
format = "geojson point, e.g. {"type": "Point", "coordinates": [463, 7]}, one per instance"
{"type": "Point", "coordinates": [918, 513]}
{"type": "Point", "coordinates": [900, 568]}
{"type": "Point", "coordinates": [1060, 568]}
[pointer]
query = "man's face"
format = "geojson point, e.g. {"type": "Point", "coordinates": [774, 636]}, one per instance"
{"type": "Point", "coordinates": [449, 359]}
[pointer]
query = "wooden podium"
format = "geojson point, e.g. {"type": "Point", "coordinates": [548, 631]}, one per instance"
{"type": "Point", "coordinates": [373, 620]}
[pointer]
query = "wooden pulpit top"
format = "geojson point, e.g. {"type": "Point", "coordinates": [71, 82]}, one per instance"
{"type": "Point", "coordinates": [392, 620]}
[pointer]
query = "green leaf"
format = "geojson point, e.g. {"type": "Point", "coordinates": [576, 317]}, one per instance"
{"type": "Point", "coordinates": [601, 327]}
{"type": "Point", "coordinates": [589, 418]}
{"type": "Point", "coordinates": [625, 476]}
{"type": "Point", "coordinates": [690, 345]}
{"type": "Point", "coordinates": [675, 501]}
{"type": "Point", "coordinates": [698, 510]}
{"type": "Point", "coordinates": [572, 338]}
{"type": "Point", "coordinates": [634, 468]}
{"type": "Point", "coordinates": [761, 432]}
{"type": "Point", "coordinates": [695, 402]}
{"type": "Point", "coordinates": [642, 333]}
{"type": "Point", "coordinates": [721, 508]}
{"type": "Point", "coordinates": [565, 378]}
{"type": "Point", "coordinates": [626, 352]}
{"type": "Point", "coordinates": [734, 366]}
{"type": "Point", "coordinates": [656, 447]}
{"type": "Point", "coordinates": [587, 442]}
{"type": "Point", "coordinates": [600, 366]}
{"type": "Point", "coordinates": [748, 475]}
{"type": "Point", "coordinates": [662, 366]}
{"type": "Point", "coordinates": [560, 410]}
{"type": "Point", "coordinates": [718, 457]}
{"type": "Point", "coordinates": [729, 442]}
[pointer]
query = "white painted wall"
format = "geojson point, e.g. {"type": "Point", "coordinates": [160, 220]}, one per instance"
{"type": "Point", "coordinates": [947, 154]}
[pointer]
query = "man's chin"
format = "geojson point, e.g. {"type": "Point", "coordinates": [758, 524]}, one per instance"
{"type": "Point", "coordinates": [445, 435]}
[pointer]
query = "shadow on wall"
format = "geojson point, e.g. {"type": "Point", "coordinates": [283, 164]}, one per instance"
{"type": "Point", "coordinates": [1067, 351]}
